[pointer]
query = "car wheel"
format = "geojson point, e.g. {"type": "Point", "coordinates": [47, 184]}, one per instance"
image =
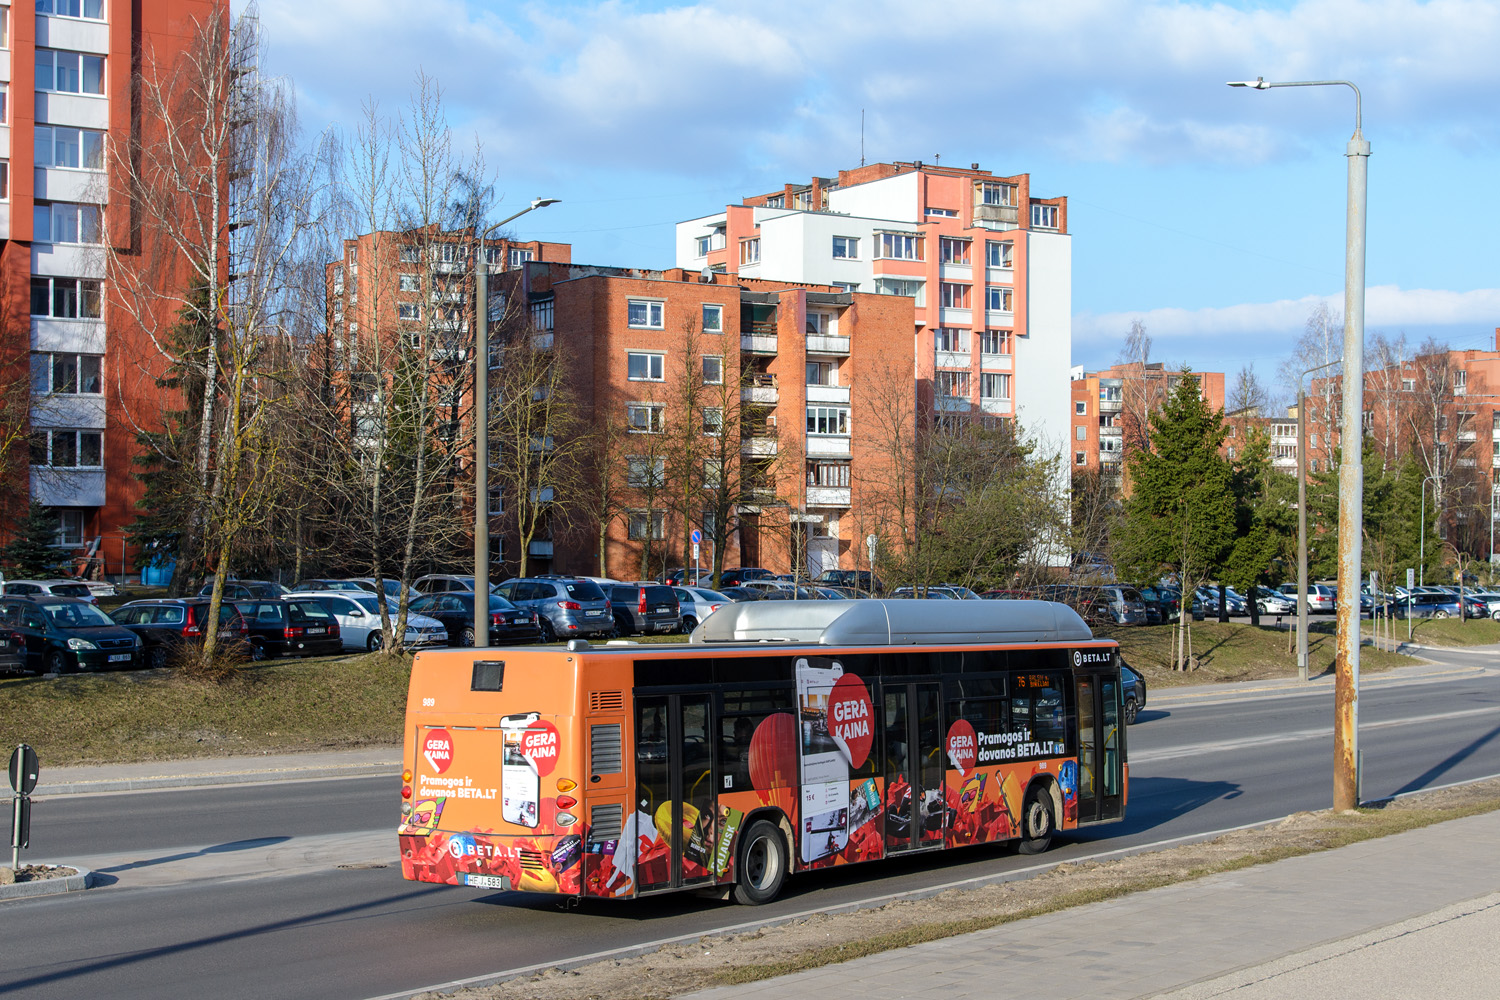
{"type": "Point", "coordinates": [1440, 613]}
{"type": "Point", "coordinates": [1495, 614]}
{"type": "Point", "coordinates": [549, 634]}
{"type": "Point", "coordinates": [58, 662]}
{"type": "Point", "coordinates": [689, 623]}
{"type": "Point", "coordinates": [1132, 709]}
{"type": "Point", "coordinates": [1036, 822]}
{"type": "Point", "coordinates": [157, 658]}
{"type": "Point", "coordinates": [622, 626]}
{"type": "Point", "coordinates": [762, 865]}
{"type": "Point", "coordinates": [258, 652]}
{"type": "Point", "coordinates": [375, 641]}
{"type": "Point", "coordinates": [466, 637]}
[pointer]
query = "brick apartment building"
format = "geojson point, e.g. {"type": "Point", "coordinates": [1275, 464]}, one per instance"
{"type": "Point", "coordinates": [987, 265]}
{"type": "Point", "coordinates": [1110, 405]}
{"type": "Point", "coordinates": [807, 365]}
{"type": "Point", "coordinates": [69, 71]}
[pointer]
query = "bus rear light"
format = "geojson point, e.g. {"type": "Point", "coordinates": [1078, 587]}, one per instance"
{"type": "Point", "coordinates": [566, 802]}
{"type": "Point", "coordinates": [570, 605]}
{"type": "Point", "coordinates": [406, 791]}
{"type": "Point", "coordinates": [406, 777]}
{"type": "Point", "coordinates": [566, 819]}
{"type": "Point", "coordinates": [563, 784]}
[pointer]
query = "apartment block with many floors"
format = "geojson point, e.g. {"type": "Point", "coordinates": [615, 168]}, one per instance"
{"type": "Point", "coordinates": [68, 100]}
{"type": "Point", "coordinates": [987, 265]}
{"type": "Point", "coordinates": [1110, 406]}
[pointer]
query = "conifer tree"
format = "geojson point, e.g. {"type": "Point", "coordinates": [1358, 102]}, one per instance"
{"type": "Point", "coordinates": [30, 553]}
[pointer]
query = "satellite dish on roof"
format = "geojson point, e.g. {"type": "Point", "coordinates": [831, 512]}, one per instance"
{"type": "Point", "coordinates": [706, 276]}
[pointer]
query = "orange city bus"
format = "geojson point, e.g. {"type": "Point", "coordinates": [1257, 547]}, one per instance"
{"type": "Point", "coordinates": [783, 737]}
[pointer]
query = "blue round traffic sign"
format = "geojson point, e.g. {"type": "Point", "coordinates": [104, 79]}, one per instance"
{"type": "Point", "coordinates": [697, 536]}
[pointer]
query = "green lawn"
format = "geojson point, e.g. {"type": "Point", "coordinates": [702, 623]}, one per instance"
{"type": "Point", "coordinates": [1444, 631]}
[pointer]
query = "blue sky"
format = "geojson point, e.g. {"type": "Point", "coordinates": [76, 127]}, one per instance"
{"type": "Point", "coordinates": [1214, 215]}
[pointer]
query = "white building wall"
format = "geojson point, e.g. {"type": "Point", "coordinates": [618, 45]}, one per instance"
{"type": "Point", "coordinates": [798, 246]}
{"type": "Point", "coordinates": [892, 198]}
{"type": "Point", "coordinates": [1044, 349]}
{"type": "Point", "coordinates": [687, 238]}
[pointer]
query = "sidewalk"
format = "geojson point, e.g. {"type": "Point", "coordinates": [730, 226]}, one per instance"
{"type": "Point", "coordinates": [205, 771]}
{"type": "Point", "coordinates": [1413, 915]}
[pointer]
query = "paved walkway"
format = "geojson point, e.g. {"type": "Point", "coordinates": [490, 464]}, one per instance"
{"type": "Point", "coordinates": [1415, 915]}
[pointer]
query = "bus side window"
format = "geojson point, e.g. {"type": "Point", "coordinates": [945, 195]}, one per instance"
{"type": "Point", "coordinates": [744, 712]}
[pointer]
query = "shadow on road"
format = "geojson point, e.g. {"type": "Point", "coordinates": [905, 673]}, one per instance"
{"type": "Point", "coordinates": [1448, 763]}
{"type": "Point", "coordinates": [238, 845]}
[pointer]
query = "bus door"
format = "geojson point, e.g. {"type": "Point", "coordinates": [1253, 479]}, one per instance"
{"type": "Point", "coordinates": [915, 810]}
{"type": "Point", "coordinates": [1100, 753]}
{"type": "Point", "coordinates": [674, 790]}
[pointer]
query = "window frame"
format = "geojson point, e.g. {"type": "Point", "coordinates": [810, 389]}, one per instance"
{"type": "Point", "coordinates": [955, 295]}
{"type": "Point", "coordinates": [824, 416]}
{"type": "Point", "coordinates": [77, 434]}
{"type": "Point", "coordinates": [50, 369]}
{"type": "Point", "coordinates": [955, 250]}
{"type": "Point", "coordinates": [651, 521]}
{"type": "Point", "coordinates": [1004, 250]}
{"type": "Point", "coordinates": [1000, 380]}
{"type": "Point", "coordinates": [887, 241]}
{"type": "Point", "coordinates": [750, 251]}
{"type": "Point", "coordinates": [52, 64]}
{"type": "Point", "coordinates": [83, 136]}
{"type": "Point", "coordinates": [660, 366]}
{"type": "Point", "coordinates": [1040, 212]}
{"type": "Point", "coordinates": [1001, 339]}
{"type": "Point", "coordinates": [718, 360]}
{"type": "Point", "coordinates": [84, 215]}
{"type": "Point", "coordinates": [713, 427]}
{"type": "Point", "coordinates": [84, 291]}
{"type": "Point", "coordinates": [712, 309]}
{"type": "Point", "coordinates": [656, 418]}
{"type": "Point", "coordinates": [999, 298]}
{"type": "Point", "coordinates": [849, 247]}
{"type": "Point", "coordinates": [655, 314]}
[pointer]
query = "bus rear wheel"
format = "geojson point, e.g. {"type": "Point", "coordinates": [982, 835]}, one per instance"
{"type": "Point", "coordinates": [762, 864]}
{"type": "Point", "coordinates": [1036, 822]}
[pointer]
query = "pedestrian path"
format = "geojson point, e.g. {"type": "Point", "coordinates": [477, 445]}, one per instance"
{"type": "Point", "coordinates": [219, 771]}
{"type": "Point", "coordinates": [1411, 915]}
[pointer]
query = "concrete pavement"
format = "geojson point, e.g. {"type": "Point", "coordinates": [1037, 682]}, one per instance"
{"type": "Point", "coordinates": [1412, 915]}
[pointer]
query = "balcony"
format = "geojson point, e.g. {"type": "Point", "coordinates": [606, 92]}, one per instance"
{"type": "Point", "coordinates": [1111, 405]}
{"type": "Point", "coordinates": [758, 343]}
{"type": "Point", "coordinates": [997, 216]}
{"type": "Point", "coordinates": [1111, 431]}
{"type": "Point", "coordinates": [541, 341]}
{"type": "Point", "coordinates": [828, 394]}
{"type": "Point", "coordinates": [828, 496]}
{"type": "Point", "coordinates": [819, 344]}
{"type": "Point", "coordinates": [757, 445]}
{"type": "Point", "coordinates": [759, 387]}
{"type": "Point", "coordinates": [994, 404]}
{"type": "Point", "coordinates": [540, 547]}
{"type": "Point", "coordinates": [996, 362]}
{"type": "Point", "coordinates": [953, 404]}
{"type": "Point", "coordinates": [1468, 435]}
{"type": "Point", "coordinates": [67, 487]}
{"type": "Point", "coordinates": [828, 446]}
{"type": "Point", "coordinates": [954, 359]}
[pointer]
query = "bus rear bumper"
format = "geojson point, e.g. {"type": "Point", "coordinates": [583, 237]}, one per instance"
{"type": "Point", "coordinates": [546, 863]}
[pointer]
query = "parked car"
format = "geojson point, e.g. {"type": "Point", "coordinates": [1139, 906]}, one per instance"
{"type": "Point", "coordinates": [678, 577]}
{"type": "Point", "coordinates": [740, 595]}
{"type": "Point", "coordinates": [445, 583]}
{"type": "Point", "coordinates": [1133, 686]}
{"type": "Point", "coordinates": [1320, 598]}
{"type": "Point", "coordinates": [1274, 602]}
{"type": "Point", "coordinates": [1007, 595]}
{"type": "Point", "coordinates": [353, 586]}
{"type": "Point", "coordinates": [391, 587]}
{"type": "Point", "coordinates": [49, 588]}
{"type": "Point", "coordinates": [291, 626]}
{"type": "Point", "coordinates": [854, 579]}
{"type": "Point", "coordinates": [101, 588]}
{"type": "Point", "coordinates": [59, 635]}
{"type": "Point", "coordinates": [166, 625]}
{"type": "Point", "coordinates": [648, 608]}
{"type": "Point", "coordinates": [1430, 605]}
{"type": "Point", "coordinates": [930, 593]}
{"type": "Point", "coordinates": [742, 574]}
{"type": "Point", "coordinates": [567, 607]}
{"type": "Point", "coordinates": [358, 615]}
{"type": "Point", "coordinates": [245, 590]}
{"type": "Point", "coordinates": [509, 625]}
{"type": "Point", "coordinates": [1125, 605]}
{"type": "Point", "coordinates": [697, 603]}
{"type": "Point", "coordinates": [1491, 601]}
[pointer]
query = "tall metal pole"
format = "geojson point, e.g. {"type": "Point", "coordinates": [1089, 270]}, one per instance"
{"type": "Point", "coordinates": [1351, 471]}
{"type": "Point", "coordinates": [482, 428]}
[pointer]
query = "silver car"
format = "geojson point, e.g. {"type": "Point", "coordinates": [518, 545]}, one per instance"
{"type": "Point", "coordinates": [358, 615]}
{"type": "Point", "coordinates": [697, 604]}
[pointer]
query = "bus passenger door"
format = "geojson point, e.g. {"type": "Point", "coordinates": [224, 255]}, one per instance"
{"type": "Point", "coordinates": [1100, 755]}
{"type": "Point", "coordinates": [674, 790]}
{"type": "Point", "coordinates": [916, 813]}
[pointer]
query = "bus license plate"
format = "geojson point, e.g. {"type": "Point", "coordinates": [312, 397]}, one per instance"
{"type": "Point", "coordinates": [119, 657]}
{"type": "Point", "coordinates": [315, 631]}
{"type": "Point", "coordinates": [488, 881]}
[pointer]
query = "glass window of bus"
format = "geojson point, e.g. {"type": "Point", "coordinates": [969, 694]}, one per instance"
{"type": "Point", "coordinates": [744, 713]}
{"type": "Point", "coordinates": [1038, 715]}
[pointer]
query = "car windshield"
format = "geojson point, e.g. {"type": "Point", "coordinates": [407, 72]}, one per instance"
{"type": "Point", "coordinates": [76, 615]}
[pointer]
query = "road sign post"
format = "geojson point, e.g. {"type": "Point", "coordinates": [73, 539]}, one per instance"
{"type": "Point", "coordinates": [23, 773]}
{"type": "Point", "coordinates": [1411, 577]}
{"type": "Point", "coordinates": [697, 538]}
{"type": "Point", "coordinates": [870, 541]}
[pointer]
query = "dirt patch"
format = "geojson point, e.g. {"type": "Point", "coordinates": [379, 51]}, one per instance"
{"type": "Point", "coordinates": [34, 873]}
{"type": "Point", "coordinates": [823, 939]}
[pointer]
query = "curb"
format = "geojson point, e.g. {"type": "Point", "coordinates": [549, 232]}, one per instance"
{"type": "Point", "coordinates": [49, 886]}
{"type": "Point", "coordinates": [210, 780]}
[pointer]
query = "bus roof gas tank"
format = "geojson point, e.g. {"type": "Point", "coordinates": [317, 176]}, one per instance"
{"type": "Point", "coordinates": [894, 623]}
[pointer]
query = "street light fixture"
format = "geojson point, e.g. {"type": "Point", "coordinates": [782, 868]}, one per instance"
{"type": "Point", "coordinates": [1351, 471]}
{"type": "Point", "coordinates": [1302, 518]}
{"type": "Point", "coordinates": [482, 428]}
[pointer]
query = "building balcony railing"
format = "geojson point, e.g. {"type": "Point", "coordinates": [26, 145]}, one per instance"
{"type": "Point", "coordinates": [1468, 435]}
{"type": "Point", "coordinates": [758, 394]}
{"type": "Point", "coordinates": [828, 446]}
{"type": "Point", "coordinates": [1111, 405]}
{"type": "Point", "coordinates": [995, 362]}
{"type": "Point", "coordinates": [828, 496]}
{"type": "Point", "coordinates": [954, 404]}
{"type": "Point", "coordinates": [994, 404]}
{"type": "Point", "coordinates": [757, 445]}
{"type": "Point", "coordinates": [541, 547]}
{"type": "Point", "coordinates": [817, 344]}
{"type": "Point", "coordinates": [1112, 457]}
{"type": "Point", "coordinates": [758, 343]}
{"type": "Point", "coordinates": [828, 394]}
{"type": "Point", "coordinates": [953, 359]}
{"type": "Point", "coordinates": [1111, 431]}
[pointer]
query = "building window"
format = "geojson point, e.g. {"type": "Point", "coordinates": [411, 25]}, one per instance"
{"type": "Point", "coordinates": [846, 286]}
{"type": "Point", "coordinates": [1111, 393]}
{"type": "Point", "coordinates": [954, 384]}
{"type": "Point", "coordinates": [638, 520]}
{"type": "Point", "coordinates": [69, 528]}
{"type": "Point", "coordinates": [67, 374]}
{"type": "Point", "coordinates": [64, 222]}
{"type": "Point", "coordinates": [713, 473]}
{"type": "Point", "coordinates": [91, 9]}
{"type": "Point", "coordinates": [954, 295]}
{"type": "Point", "coordinates": [515, 258]}
{"type": "Point", "coordinates": [4, 180]}
{"type": "Point", "coordinates": [1408, 385]}
{"type": "Point", "coordinates": [910, 287]}
{"type": "Point", "coordinates": [1081, 408]}
{"type": "Point", "coordinates": [65, 298]}
{"type": "Point", "coordinates": [642, 367]}
{"type": "Point", "coordinates": [952, 251]}
{"type": "Point", "coordinates": [828, 474]}
{"type": "Point", "coordinates": [492, 256]}
{"type": "Point", "coordinates": [713, 318]}
{"type": "Point", "coordinates": [643, 472]}
{"type": "Point", "coordinates": [828, 420]}
{"type": "Point", "coordinates": [821, 373]}
{"type": "Point", "coordinates": [409, 310]}
{"type": "Point", "coordinates": [750, 251]}
{"type": "Point", "coordinates": [408, 282]}
{"type": "Point", "coordinates": [57, 146]}
{"type": "Point", "coordinates": [950, 338]}
{"type": "Point", "coordinates": [543, 315]}
{"type": "Point", "coordinates": [1000, 254]}
{"type": "Point", "coordinates": [776, 201]}
{"type": "Point", "coordinates": [899, 246]}
{"type": "Point", "coordinates": [845, 248]}
{"type": "Point", "coordinates": [645, 418]}
{"type": "Point", "coordinates": [999, 299]}
{"type": "Point", "coordinates": [4, 87]}
{"type": "Point", "coordinates": [1081, 432]}
{"type": "Point", "coordinates": [997, 193]}
{"type": "Point", "coordinates": [713, 421]}
{"type": "Point", "coordinates": [818, 324]}
{"type": "Point", "coordinates": [1109, 444]}
{"type": "Point", "coordinates": [645, 314]}
{"type": "Point", "coordinates": [1079, 458]}
{"type": "Point", "coordinates": [1044, 216]}
{"type": "Point", "coordinates": [1460, 382]}
{"type": "Point", "coordinates": [69, 72]}
{"type": "Point", "coordinates": [995, 386]}
{"type": "Point", "coordinates": [996, 342]}
{"type": "Point", "coordinates": [713, 369]}
{"type": "Point", "coordinates": [713, 241]}
{"type": "Point", "coordinates": [448, 253]}
{"type": "Point", "coordinates": [410, 254]}
{"type": "Point", "coordinates": [62, 449]}
{"type": "Point", "coordinates": [942, 213]}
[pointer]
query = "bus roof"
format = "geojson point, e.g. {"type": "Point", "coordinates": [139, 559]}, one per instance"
{"type": "Point", "coordinates": [893, 623]}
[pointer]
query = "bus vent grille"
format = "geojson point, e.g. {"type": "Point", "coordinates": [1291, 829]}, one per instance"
{"type": "Point", "coordinates": [606, 822]}
{"type": "Point", "coordinates": [604, 749]}
{"type": "Point", "coordinates": [532, 861]}
{"type": "Point", "coordinates": [606, 701]}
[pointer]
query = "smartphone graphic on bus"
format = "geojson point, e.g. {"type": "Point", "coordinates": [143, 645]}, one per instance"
{"type": "Point", "coordinates": [520, 783]}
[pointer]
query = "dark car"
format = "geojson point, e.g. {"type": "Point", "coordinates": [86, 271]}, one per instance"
{"type": "Point", "coordinates": [62, 634]}
{"type": "Point", "coordinates": [348, 586]}
{"type": "Point", "coordinates": [740, 575]}
{"type": "Point", "coordinates": [245, 590]}
{"type": "Point", "coordinates": [740, 595]}
{"type": "Point", "coordinates": [295, 626]}
{"type": "Point", "coordinates": [566, 607]}
{"type": "Point", "coordinates": [509, 625]}
{"type": "Point", "coordinates": [644, 608]}
{"type": "Point", "coordinates": [1133, 686]}
{"type": "Point", "coordinates": [856, 579]}
{"type": "Point", "coordinates": [168, 624]}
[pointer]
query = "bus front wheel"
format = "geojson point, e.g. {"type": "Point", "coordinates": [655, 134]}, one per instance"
{"type": "Point", "coordinates": [1036, 822]}
{"type": "Point", "coordinates": [762, 864]}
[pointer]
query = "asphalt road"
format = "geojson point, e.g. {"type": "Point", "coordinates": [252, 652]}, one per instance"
{"type": "Point", "coordinates": [311, 930]}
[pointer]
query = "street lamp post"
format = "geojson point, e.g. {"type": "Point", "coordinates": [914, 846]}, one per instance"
{"type": "Point", "coordinates": [1302, 519]}
{"type": "Point", "coordinates": [482, 429]}
{"type": "Point", "coordinates": [1351, 472]}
